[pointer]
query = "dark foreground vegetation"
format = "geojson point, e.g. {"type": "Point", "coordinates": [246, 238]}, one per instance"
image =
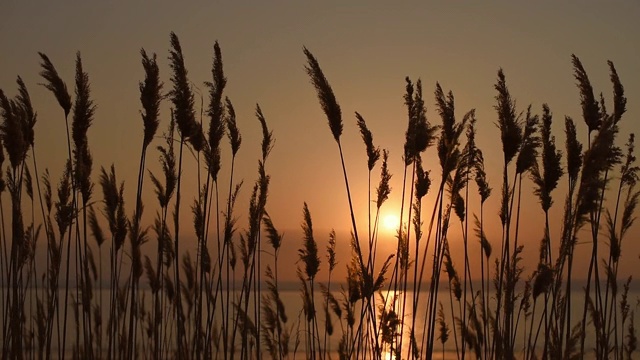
{"type": "Point", "coordinates": [383, 311]}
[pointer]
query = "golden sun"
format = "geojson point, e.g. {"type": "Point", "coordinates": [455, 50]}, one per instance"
{"type": "Point", "coordinates": [390, 223]}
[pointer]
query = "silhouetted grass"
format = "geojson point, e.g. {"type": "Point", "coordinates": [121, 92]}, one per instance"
{"type": "Point", "coordinates": [195, 310]}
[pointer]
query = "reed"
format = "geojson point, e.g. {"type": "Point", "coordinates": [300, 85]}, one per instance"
{"type": "Point", "coordinates": [195, 309]}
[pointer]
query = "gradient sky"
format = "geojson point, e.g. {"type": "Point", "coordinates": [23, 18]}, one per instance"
{"type": "Point", "coordinates": [365, 49]}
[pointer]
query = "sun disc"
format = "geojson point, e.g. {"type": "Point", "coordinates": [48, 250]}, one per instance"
{"type": "Point", "coordinates": [391, 223]}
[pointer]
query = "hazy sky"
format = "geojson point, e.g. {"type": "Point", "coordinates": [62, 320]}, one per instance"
{"type": "Point", "coordinates": [365, 49]}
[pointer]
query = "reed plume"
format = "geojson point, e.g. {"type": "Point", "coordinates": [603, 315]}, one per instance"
{"type": "Point", "coordinates": [55, 84]}
{"type": "Point", "coordinates": [547, 179]}
{"type": "Point", "coordinates": [181, 95]}
{"type": "Point", "coordinates": [326, 97]}
{"type": "Point", "coordinates": [150, 99]}
{"type": "Point", "coordinates": [590, 107]}
{"type": "Point", "coordinates": [373, 153]}
{"type": "Point", "coordinates": [182, 99]}
{"type": "Point", "coordinates": [150, 96]}
{"type": "Point", "coordinates": [216, 107]}
{"type": "Point", "coordinates": [311, 262]}
{"type": "Point", "coordinates": [11, 131]}
{"type": "Point", "coordinates": [83, 111]}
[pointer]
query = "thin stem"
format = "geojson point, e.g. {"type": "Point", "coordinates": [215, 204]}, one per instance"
{"type": "Point", "coordinates": [178, 302]}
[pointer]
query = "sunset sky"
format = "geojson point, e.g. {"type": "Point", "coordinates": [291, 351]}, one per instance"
{"type": "Point", "coordinates": [365, 49]}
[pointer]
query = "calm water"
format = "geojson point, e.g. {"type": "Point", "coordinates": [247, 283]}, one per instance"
{"type": "Point", "coordinates": [293, 308]}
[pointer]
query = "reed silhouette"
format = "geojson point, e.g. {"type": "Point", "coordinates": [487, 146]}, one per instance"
{"type": "Point", "coordinates": [391, 305]}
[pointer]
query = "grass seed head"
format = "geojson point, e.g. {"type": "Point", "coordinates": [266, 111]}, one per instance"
{"type": "Point", "coordinates": [508, 122]}
{"type": "Point", "coordinates": [150, 96]}
{"type": "Point", "coordinates": [590, 107]}
{"type": "Point", "coordinates": [181, 95]}
{"type": "Point", "coordinates": [55, 84]}
{"type": "Point", "coordinates": [326, 97]}
{"type": "Point", "coordinates": [216, 108]}
{"type": "Point", "coordinates": [384, 189]}
{"type": "Point", "coordinates": [234, 134]}
{"type": "Point", "coordinates": [373, 153]}
{"type": "Point", "coordinates": [309, 251]}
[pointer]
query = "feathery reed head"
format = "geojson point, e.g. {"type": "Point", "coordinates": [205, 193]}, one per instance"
{"type": "Point", "coordinates": [547, 180]}
{"type": "Point", "coordinates": [544, 278]}
{"type": "Point", "coordinates": [137, 237]}
{"type": "Point", "coordinates": [628, 212]}
{"type": "Point", "coordinates": [168, 162]}
{"type": "Point", "coordinates": [197, 139]}
{"type": "Point", "coordinates": [150, 96]}
{"type": "Point", "coordinates": [389, 323]}
{"type": "Point", "coordinates": [307, 300]}
{"type": "Point", "coordinates": [528, 153]}
{"type": "Point", "coordinates": [273, 236]}
{"type": "Point", "coordinates": [631, 338]}
{"type": "Point", "coordinates": [154, 280]}
{"type": "Point", "coordinates": [214, 162]}
{"type": "Point", "coordinates": [449, 153]}
{"type": "Point", "coordinates": [96, 230]}
{"type": "Point", "coordinates": [504, 204]}
{"type": "Point", "coordinates": [601, 157]}
{"type": "Point", "coordinates": [309, 251]}
{"type": "Point", "coordinates": [476, 159]}
{"type": "Point", "coordinates": [254, 218]}
{"type": "Point", "coordinates": [378, 281]}
{"type": "Point", "coordinates": [403, 246]}
{"type": "Point", "coordinates": [484, 242]}
{"type": "Point", "coordinates": [508, 121]}
{"type": "Point", "coordinates": [574, 149]}
{"type": "Point", "coordinates": [83, 111]}
{"type": "Point", "coordinates": [12, 130]}
{"type": "Point", "coordinates": [550, 156]}
{"type": "Point", "coordinates": [458, 204]}
{"type": "Point", "coordinates": [629, 171]}
{"type": "Point", "coordinates": [443, 328]}
{"type": "Point", "coordinates": [165, 245]}
{"type": "Point", "coordinates": [331, 251]}
{"type": "Point", "coordinates": [84, 107]}
{"type": "Point", "coordinates": [234, 134]}
{"type": "Point", "coordinates": [384, 189]}
{"type": "Point", "coordinates": [198, 216]}
{"type": "Point", "coordinates": [55, 84]}
{"type": "Point", "coordinates": [181, 94]}
{"type": "Point", "coordinates": [267, 135]}
{"type": "Point", "coordinates": [355, 283]}
{"type": "Point", "coordinates": [454, 279]}
{"type": "Point", "coordinates": [590, 108]}
{"type": "Point", "coordinates": [114, 205]}
{"type": "Point", "coordinates": [257, 204]}
{"type": "Point", "coordinates": [64, 207]}
{"type": "Point", "coordinates": [373, 153]}
{"type": "Point", "coordinates": [325, 95]}
{"type": "Point", "coordinates": [419, 134]}
{"type": "Point", "coordinates": [230, 221]}
{"type": "Point", "coordinates": [619, 100]}
{"type": "Point", "coordinates": [328, 321]}
{"type": "Point", "coordinates": [409, 151]}
{"type": "Point", "coordinates": [216, 107]}
{"type": "Point", "coordinates": [23, 100]}
{"type": "Point", "coordinates": [423, 182]}
{"type": "Point", "coordinates": [471, 149]}
{"type": "Point", "coordinates": [446, 110]}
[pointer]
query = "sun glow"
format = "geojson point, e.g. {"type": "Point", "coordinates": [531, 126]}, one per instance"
{"type": "Point", "coordinates": [390, 223]}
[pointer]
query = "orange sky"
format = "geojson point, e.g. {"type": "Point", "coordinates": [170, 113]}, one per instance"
{"type": "Point", "coordinates": [365, 49]}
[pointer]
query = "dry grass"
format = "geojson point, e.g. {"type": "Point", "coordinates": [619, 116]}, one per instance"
{"type": "Point", "coordinates": [195, 309]}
